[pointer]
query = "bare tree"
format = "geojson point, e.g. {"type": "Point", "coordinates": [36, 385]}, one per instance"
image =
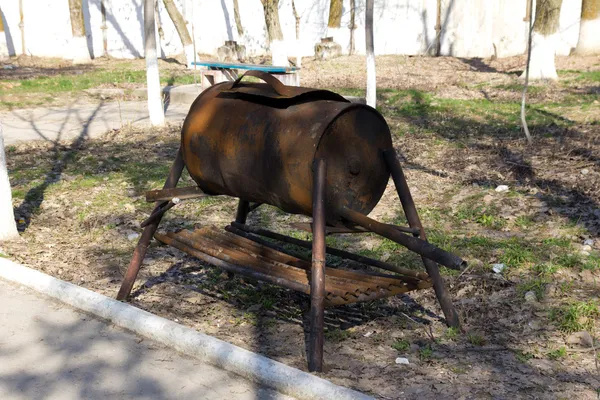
{"type": "Point", "coordinates": [238, 19]}
{"type": "Point", "coordinates": [543, 41]}
{"type": "Point", "coordinates": [3, 43]}
{"type": "Point", "coordinates": [155, 105]}
{"type": "Point", "coordinates": [182, 31]}
{"type": "Point", "coordinates": [8, 227]}
{"type": "Point", "coordinates": [335, 14]}
{"type": "Point", "coordinates": [79, 50]}
{"type": "Point", "coordinates": [371, 77]}
{"type": "Point", "coordinates": [274, 33]}
{"type": "Point", "coordinates": [298, 50]}
{"type": "Point", "coordinates": [589, 29]}
{"type": "Point", "coordinates": [352, 25]}
{"type": "Point", "coordinates": [526, 85]}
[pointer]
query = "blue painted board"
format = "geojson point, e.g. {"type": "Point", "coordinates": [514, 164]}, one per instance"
{"type": "Point", "coordinates": [257, 67]}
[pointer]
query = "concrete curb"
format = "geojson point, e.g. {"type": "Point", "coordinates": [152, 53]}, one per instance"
{"type": "Point", "coordinates": [213, 351]}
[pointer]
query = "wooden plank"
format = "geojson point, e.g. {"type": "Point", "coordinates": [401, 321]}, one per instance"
{"type": "Point", "coordinates": [190, 192]}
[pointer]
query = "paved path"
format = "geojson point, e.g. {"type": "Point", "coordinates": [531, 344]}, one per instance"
{"type": "Point", "coordinates": [79, 120]}
{"type": "Point", "coordinates": [50, 351]}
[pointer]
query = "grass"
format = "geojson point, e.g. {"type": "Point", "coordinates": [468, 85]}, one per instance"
{"type": "Point", "coordinates": [401, 345]}
{"type": "Point", "coordinates": [95, 78]}
{"type": "Point", "coordinates": [425, 352]}
{"type": "Point", "coordinates": [556, 354]}
{"type": "Point", "coordinates": [523, 356]}
{"type": "Point", "coordinates": [476, 339]}
{"type": "Point", "coordinates": [536, 285]}
{"type": "Point", "coordinates": [576, 316]}
{"type": "Point", "coordinates": [337, 335]}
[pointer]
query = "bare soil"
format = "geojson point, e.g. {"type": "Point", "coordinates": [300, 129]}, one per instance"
{"type": "Point", "coordinates": [80, 206]}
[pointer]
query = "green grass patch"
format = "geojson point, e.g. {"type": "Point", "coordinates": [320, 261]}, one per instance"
{"type": "Point", "coordinates": [577, 316]}
{"type": "Point", "coordinates": [476, 339]}
{"type": "Point", "coordinates": [536, 285]}
{"type": "Point", "coordinates": [556, 354]}
{"type": "Point", "coordinates": [523, 356]}
{"type": "Point", "coordinates": [516, 253]}
{"type": "Point", "coordinates": [88, 80]}
{"type": "Point", "coordinates": [337, 335]}
{"type": "Point", "coordinates": [401, 345]}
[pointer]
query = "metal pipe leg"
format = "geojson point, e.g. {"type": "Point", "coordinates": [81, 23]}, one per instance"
{"type": "Point", "coordinates": [414, 221]}
{"type": "Point", "coordinates": [317, 283]}
{"type": "Point", "coordinates": [140, 250]}
{"type": "Point", "coordinates": [242, 211]}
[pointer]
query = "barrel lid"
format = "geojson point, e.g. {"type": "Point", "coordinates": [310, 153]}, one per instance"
{"type": "Point", "coordinates": [276, 90]}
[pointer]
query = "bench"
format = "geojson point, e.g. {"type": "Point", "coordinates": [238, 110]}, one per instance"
{"type": "Point", "coordinates": [214, 72]}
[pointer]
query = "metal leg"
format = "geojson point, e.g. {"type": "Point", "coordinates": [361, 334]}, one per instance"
{"type": "Point", "coordinates": [317, 283]}
{"type": "Point", "coordinates": [142, 246]}
{"type": "Point", "coordinates": [242, 211]}
{"type": "Point", "coordinates": [413, 220]}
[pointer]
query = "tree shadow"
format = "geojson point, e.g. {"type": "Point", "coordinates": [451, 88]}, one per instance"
{"type": "Point", "coordinates": [82, 357]}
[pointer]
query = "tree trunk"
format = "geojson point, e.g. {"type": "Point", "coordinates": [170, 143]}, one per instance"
{"type": "Point", "coordinates": [335, 14]}
{"type": "Point", "coordinates": [180, 26]}
{"type": "Point", "coordinates": [79, 50]}
{"type": "Point", "coordinates": [276, 43]}
{"type": "Point", "coordinates": [298, 49]}
{"type": "Point", "coordinates": [238, 19]}
{"type": "Point", "coordinates": [371, 78]}
{"type": "Point", "coordinates": [155, 105]}
{"type": "Point", "coordinates": [352, 25]}
{"type": "Point", "coordinates": [589, 30]}
{"type": "Point", "coordinates": [3, 42]}
{"type": "Point", "coordinates": [543, 41]}
{"type": "Point", "coordinates": [8, 227]}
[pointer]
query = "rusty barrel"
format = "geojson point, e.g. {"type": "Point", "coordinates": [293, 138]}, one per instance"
{"type": "Point", "coordinates": [257, 141]}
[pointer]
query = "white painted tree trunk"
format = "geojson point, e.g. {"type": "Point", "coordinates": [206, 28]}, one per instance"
{"type": "Point", "coordinates": [79, 50]}
{"type": "Point", "coordinates": [543, 51]}
{"type": "Point", "coordinates": [8, 227]}
{"type": "Point", "coordinates": [371, 72]}
{"type": "Point", "coordinates": [589, 38]}
{"type": "Point", "coordinates": [155, 104]}
{"type": "Point", "coordinates": [3, 47]}
{"type": "Point", "coordinates": [190, 57]}
{"type": "Point", "coordinates": [279, 53]}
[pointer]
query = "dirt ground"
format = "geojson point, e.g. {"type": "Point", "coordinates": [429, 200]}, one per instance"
{"type": "Point", "coordinates": [80, 206]}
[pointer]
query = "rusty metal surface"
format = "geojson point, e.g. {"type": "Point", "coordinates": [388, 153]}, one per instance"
{"type": "Point", "coordinates": [331, 230]}
{"type": "Point", "coordinates": [414, 221]}
{"type": "Point", "coordinates": [336, 252]}
{"type": "Point", "coordinates": [417, 245]}
{"type": "Point", "coordinates": [250, 141]}
{"type": "Point", "coordinates": [240, 255]}
{"type": "Point", "coordinates": [140, 250]}
{"type": "Point", "coordinates": [180, 193]}
{"type": "Point", "coordinates": [317, 279]}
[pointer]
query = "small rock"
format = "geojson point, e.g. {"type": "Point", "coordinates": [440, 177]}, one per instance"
{"type": "Point", "coordinates": [585, 171]}
{"type": "Point", "coordinates": [133, 236]}
{"type": "Point", "coordinates": [582, 338]}
{"type": "Point", "coordinates": [368, 334]}
{"type": "Point", "coordinates": [502, 188]}
{"type": "Point", "coordinates": [402, 360]}
{"type": "Point", "coordinates": [586, 247]}
{"type": "Point", "coordinates": [498, 268]}
{"type": "Point", "coordinates": [550, 290]}
{"type": "Point", "coordinates": [584, 253]}
{"type": "Point", "coordinates": [254, 308]}
{"type": "Point", "coordinates": [530, 296]}
{"type": "Point", "coordinates": [588, 242]}
{"type": "Point", "coordinates": [386, 256]}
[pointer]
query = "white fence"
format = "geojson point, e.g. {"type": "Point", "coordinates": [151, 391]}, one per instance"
{"type": "Point", "coordinates": [470, 28]}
